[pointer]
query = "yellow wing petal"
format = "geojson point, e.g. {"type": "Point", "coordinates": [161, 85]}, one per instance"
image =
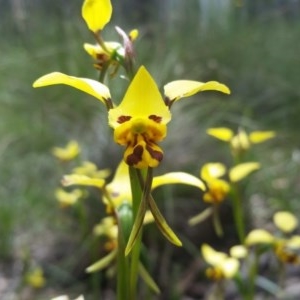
{"type": "Point", "coordinates": [96, 13]}
{"type": "Point", "coordinates": [257, 137]}
{"type": "Point", "coordinates": [178, 89]}
{"type": "Point", "coordinates": [177, 178]}
{"type": "Point", "coordinates": [241, 171]}
{"type": "Point", "coordinates": [221, 133]}
{"type": "Point", "coordinates": [76, 179]}
{"type": "Point", "coordinates": [212, 171]}
{"type": "Point", "coordinates": [259, 236]}
{"type": "Point", "coordinates": [285, 221]}
{"type": "Point", "coordinates": [211, 256]}
{"type": "Point", "coordinates": [89, 86]}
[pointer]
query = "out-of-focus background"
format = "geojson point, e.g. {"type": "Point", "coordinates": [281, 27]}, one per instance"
{"type": "Point", "coordinates": [252, 46]}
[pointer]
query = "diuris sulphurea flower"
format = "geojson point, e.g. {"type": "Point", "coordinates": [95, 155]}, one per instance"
{"type": "Point", "coordinates": [140, 120]}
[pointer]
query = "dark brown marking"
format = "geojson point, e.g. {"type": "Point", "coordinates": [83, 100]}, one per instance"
{"type": "Point", "coordinates": [123, 119]}
{"type": "Point", "coordinates": [155, 118]}
{"type": "Point", "coordinates": [136, 156]}
{"type": "Point", "coordinates": [158, 155]}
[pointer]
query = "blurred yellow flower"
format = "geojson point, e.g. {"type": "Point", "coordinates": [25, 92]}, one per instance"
{"type": "Point", "coordinates": [138, 125]}
{"type": "Point", "coordinates": [96, 13]}
{"type": "Point", "coordinates": [66, 199]}
{"type": "Point", "coordinates": [67, 153]}
{"type": "Point", "coordinates": [90, 169]}
{"type": "Point", "coordinates": [285, 221]}
{"type": "Point", "coordinates": [35, 278]}
{"type": "Point", "coordinates": [222, 265]}
{"type": "Point", "coordinates": [241, 141]}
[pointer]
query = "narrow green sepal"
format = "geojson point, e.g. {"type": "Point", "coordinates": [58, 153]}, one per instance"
{"type": "Point", "coordinates": [162, 223]}
{"type": "Point", "coordinates": [148, 279]}
{"type": "Point", "coordinates": [102, 263]}
{"type": "Point", "coordinates": [137, 227]}
{"type": "Point", "coordinates": [200, 217]}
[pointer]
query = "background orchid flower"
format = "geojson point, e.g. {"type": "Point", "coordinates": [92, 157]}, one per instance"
{"type": "Point", "coordinates": [241, 141]}
{"type": "Point", "coordinates": [67, 153]}
{"type": "Point", "coordinates": [140, 120]}
{"type": "Point", "coordinates": [285, 247]}
{"type": "Point", "coordinates": [222, 266]}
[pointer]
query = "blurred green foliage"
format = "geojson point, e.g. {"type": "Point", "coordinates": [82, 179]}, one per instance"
{"type": "Point", "coordinates": [255, 52]}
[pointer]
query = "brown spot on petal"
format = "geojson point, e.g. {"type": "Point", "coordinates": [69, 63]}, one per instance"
{"type": "Point", "coordinates": [136, 156]}
{"type": "Point", "coordinates": [155, 118]}
{"type": "Point", "coordinates": [123, 119]}
{"type": "Point", "coordinates": [158, 155]}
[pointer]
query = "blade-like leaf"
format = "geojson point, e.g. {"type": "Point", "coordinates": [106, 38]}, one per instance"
{"type": "Point", "coordinates": [162, 223]}
{"type": "Point", "coordinates": [148, 279]}
{"type": "Point", "coordinates": [102, 263]}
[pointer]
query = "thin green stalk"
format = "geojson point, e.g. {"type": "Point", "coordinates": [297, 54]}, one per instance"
{"type": "Point", "coordinates": [137, 196]}
{"type": "Point", "coordinates": [122, 269]}
{"type": "Point", "coordinates": [238, 214]}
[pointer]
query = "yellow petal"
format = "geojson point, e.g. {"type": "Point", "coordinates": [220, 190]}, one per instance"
{"type": "Point", "coordinates": [240, 142]}
{"type": "Point", "coordinates": [259, 236]}
{"type": "Point", "coordinates": [285, 221]}
{"type": "Point", "coordinates": [212, 171]}
{"type": "Point", "coordinates": [261, 136]}
{"type": "Point", "coordinates": [89, 86]}
{"type": "Point", "coordinates": [119, 188]}
{"type": "Point", "coordinates": [69, 152]}
{"type": "Point", "coordinates": [211, 256]}
{"type": "Point", "coordinates": [96, 13]}
{"type": "Point", "coordinates": [76, 179]}
{"type": "Point", "coordinates": [294, 242]}
{"type": "Point", "coordinates": [133, 34]}
{"type": "Point", "coordinates": [141, 100]}
{"type": "Point", "coordinates": [177, 178]}
{"type": "Point", "coordinates": [238, 251]}
{"type": "Point", "coordinates": [221, 133]}
{"type": "Point", "coordinates": [178, 89]}
{"type": "Point", "coordinates": [241, 171]}
{"type": "Point", "coordinates": [230, 267]}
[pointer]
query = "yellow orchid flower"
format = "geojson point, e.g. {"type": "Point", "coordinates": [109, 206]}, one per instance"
{"type": "Point", "coordinates": [67, 153]}
{"type": "Point", "coordinates": [35, 278]}
{"type": "Point", "coordinates": [285, 248]}
{"type": "Point", "coordinates": [222, 265]}
{"type": "Point", "coordinates": [140, 120]}
{"type": "Point", "coordinates": [66, 199]}
{"type": "Point", "coordinates": [96, 13]}
{"type": "Point", "coordinates": [90, 169]}
{"type": "Point", "coordinates": [241, 141]}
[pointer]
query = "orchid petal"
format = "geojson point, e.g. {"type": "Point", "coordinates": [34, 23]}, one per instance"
{"type": "Point", "coordinates": [141, 100]}
{"type": "Point", "coordinates": [89, 86]}
{"type": "Point", "coordinates": [259, 236]}
{"type": "Point", "coordinates": [96, 13]}
{"type": "Point", "coordinates": [257, 137]}
{"type": "Point", "coordinates": [285, 221]}
{"type": "Point", "coordinates": [212, 171]}
{"type": "Point", "coordinates": [177, 178]}
{"type": "Point", "coordinates": [76, 179]}
{"type": "Point", "coordinates": [221, 133]}
{"type": "Point", "coordinates": [241, 171]}
{"type": "Point", "coordinates": [178, 89]}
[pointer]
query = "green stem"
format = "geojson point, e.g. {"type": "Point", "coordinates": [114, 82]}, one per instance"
{"type": "Point", "coordinates": [122, 268]}
{"type": "Point", "coordinates": [238, 214]}
{"type": "Point", "coordinates": [137, 195]}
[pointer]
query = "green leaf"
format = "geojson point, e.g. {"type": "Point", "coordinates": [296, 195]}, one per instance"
{"type": "Point", "coordinates": [148, 279]}
{"type": "Point", "coordinates": [102, 263]}
{"type": "Point", "coordinates": [137, 227]}
{"type": "Point", "coordinates": [162, 223]}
